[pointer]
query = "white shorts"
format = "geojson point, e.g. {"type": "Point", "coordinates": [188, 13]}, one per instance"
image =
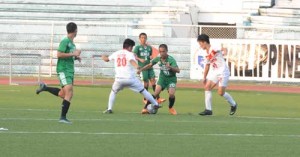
{"type": "Point", "coordinates": [134, 84]}
{"type": "Point", "coordinates": [217, 78]}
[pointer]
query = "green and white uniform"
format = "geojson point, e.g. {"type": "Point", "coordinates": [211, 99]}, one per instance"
{"type": "Point", "coordinates": [167, 79]}
{"type": "Point", "coordinates": [65, 66]}
{"type": "Point", "coordinates": [145, 52]}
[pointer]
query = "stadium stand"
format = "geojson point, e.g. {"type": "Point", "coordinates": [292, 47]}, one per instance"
{"type": "Point", "coordinates": [283, 13]}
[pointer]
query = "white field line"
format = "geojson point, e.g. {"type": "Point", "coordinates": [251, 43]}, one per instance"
{"type": "Point", "coordinates": [9, 90]}
{"type": "Point", "coordinates": [149, 134]}
{"type": "Point", "coordinates": [100, 112]}
{"type": "Point", "coordinates": [139, 120]}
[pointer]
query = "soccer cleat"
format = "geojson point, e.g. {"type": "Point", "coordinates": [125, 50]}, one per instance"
{"type": "Point", "coordinates": [233, 110]}
{"type": "Point", "coordinates": [144, 111]}
{"type": "Point", "coordinates": [41, 88]}
{"type": "Point", "coordinates": [108, 111]}
{"type": "Point", "coordinates": [160, 100]}
{"type": "Point", "coordinates": [206, 113]}
{"type": "Point", "coordinates": [172, 111]}
{"type": "Point", "coordinates": [64, 120]}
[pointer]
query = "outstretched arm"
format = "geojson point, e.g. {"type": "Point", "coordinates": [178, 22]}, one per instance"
{"type": "Point", "coordinates": [105, 58]}
{"type": "Point", "coordinates": [206, 70]}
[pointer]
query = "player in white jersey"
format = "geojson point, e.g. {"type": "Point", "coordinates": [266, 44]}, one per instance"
{"type": "Point", "coordinates": [216, 72]}
{"type": "Point", "coordinates": [125, 74]}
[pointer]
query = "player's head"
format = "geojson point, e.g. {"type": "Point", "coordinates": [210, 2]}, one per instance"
{"type": "Point", "coordinates": [72, 28]}
{"type": "Point", "coordinates": [163, 50]}
{"type": "Point", "coordinates": [203, 40]}
{"type": "Point", "coordinates": [143, 38]}
{"type": "Point", "coordinates": [128, 44]}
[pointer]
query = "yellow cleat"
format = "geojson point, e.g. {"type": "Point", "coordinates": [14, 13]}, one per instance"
{"type": "Point", "coordinates": [172, 111]}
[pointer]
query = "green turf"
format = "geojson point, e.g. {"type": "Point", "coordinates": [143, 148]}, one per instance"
{"type": "Point", "coordinates": [267, 124]}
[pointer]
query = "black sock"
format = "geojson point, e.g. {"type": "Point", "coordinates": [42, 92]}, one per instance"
{"type": "Point", "coordinates": [52, 90]}
{"type": "Point", "coordinates": [65, 108]}
{"type": "Point", "coordinates": [171, 102]}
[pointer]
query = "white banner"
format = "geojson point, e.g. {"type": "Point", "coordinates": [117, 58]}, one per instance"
{"type": "Point", "coordinates": [261, 60]}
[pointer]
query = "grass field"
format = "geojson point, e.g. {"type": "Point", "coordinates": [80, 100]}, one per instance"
{"type": "Point", "coordinates": [266, 124]}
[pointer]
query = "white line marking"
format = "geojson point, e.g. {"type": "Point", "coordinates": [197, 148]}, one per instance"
{"type": "Point", "coordinates": [139, 120]}
{"type": "Point", "coordinates": [9, 90]}
{"type": "Point", "coordinates": [271, 118]}
{"type": "Point", "coordinates": [149, 134]}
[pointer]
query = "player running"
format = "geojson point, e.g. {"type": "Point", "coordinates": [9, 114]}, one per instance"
{"type": "Point", "coordinates": [66, 54]}
{"type": "Point", "coordinates": [167, 77]}
{"type": "Point", "coordinates": [144, 56]}
{"type": "Point", "coordinates": [216, 72]}
{"type": "Point", "coordinates": [125, 74]}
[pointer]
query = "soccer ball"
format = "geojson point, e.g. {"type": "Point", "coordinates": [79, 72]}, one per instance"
{"type": "Point", "coordinates": [151, 109]}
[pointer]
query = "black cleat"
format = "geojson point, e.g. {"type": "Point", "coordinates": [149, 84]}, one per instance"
{"type": "Point", "coordinates": [42, 87]}
{"type": "Point", "coordinates": [108, 112]}
{"type": "Point", "coordinates": [233, 110]}
{"type": "Point", "coordinates": [206, 113]}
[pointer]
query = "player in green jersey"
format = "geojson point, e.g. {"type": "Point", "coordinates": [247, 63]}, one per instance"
{"type": "Point", "coordinates": [143, 54]}
{"type": "Point", "coordinates": [167, 77]}
{"type": "Point", "coordinates": [66, 54]}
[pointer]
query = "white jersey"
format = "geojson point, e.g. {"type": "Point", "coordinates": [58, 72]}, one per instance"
{"type": "Point", "coordinates": [123, 68]}
{"type": "Point", "coordinates": [217, 62]}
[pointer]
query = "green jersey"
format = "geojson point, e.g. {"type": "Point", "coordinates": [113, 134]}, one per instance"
{"type": "Point", "coordinates": [164, 72]}
{"type": "Point", "coordinates": [143, 52]}
{"type": "Point", "coordinates": [66, 64]}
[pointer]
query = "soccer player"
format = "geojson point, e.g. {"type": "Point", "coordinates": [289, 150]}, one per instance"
{"type": "Point", "coordinates": [216, 72]}
{"type": "Point", "coordinates": [167, 77]}
{"type": "Point", "coordinates": [144, 53]}
{"type": "Point", "coordinates": [125, 74]}
{"type": "Point", "coordinates": [66, 54]}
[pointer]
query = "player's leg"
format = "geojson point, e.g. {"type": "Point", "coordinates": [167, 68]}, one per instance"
{"type": "Point", "coordinates": [210, 84]}
{"type": "Point", "coordinates": [117, 86]}
{"type": "Point", "coordinates": [138, 87]}
{"type": "Point", "coordinates": [53, 90]}
{"type": "Point", "coordinates": [66, 82]}
{"type": "Point", "coordinates": [153, 83]}
{"type": "Point", "coordinates": [171, 90]}
{"type": "Point", "coordinates": [145, 79]}
{"type": "Point", "coordinates": [222, 92]}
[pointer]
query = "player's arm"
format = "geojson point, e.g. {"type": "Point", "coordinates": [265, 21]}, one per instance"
{"type": "Point", "coordinates": [62, 48]}
{"type": "Point", "coordinates": [136, 51]}
{"type": "Point", "coordinates": [206, 70]}
{"type": "Point", "coordinates": [139, 59]}
{"type": "Point", "coordinates": [134, 64]}
{"type": "Point", "coordinates": [172, 66]}
{"type": "Point", "coordinates": [105, 58]}
{"type": "Point", "coordinates": [146, 67]}
{"type": "Point", "coordinates": [174, 69]}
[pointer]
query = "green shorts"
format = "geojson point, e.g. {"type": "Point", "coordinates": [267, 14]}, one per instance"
{"type": "Point", "coordinates": [167, 83]}
{"type": "Point", "coordinates": [65, 78]}
{"type": "Point", "coordinates": [148, 74]}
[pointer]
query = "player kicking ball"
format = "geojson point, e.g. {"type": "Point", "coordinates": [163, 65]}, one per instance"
{"type": "Point", "coordinates": [125, 74]}
{"type": "Point", "coordinates": [216, 72]}
{"type": "Point", "coordinates": [167, 77]}
{"type": "Point", "coordinates": [144, 55]}
{"type": "Point", "coordinates": [66, 54]}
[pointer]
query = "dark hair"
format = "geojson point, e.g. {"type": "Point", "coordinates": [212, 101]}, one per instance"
{"type": "Point", "coordinates": [142, 34]}
{"type": "Point", "coordinates": [203, 37]}
{"type": "Point", "coordinates": [128, 43]}
{"type": "Point", "coordinates": [163, 46]}
{"type": "Point", "coordinates": [71, 27]}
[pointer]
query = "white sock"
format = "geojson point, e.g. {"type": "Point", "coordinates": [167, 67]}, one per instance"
{"type": "Point", "coordinates": [229, 99]}
{"type": "Point", "coordinates": [208, 100]}
{"type": "Point", "coordinates": [149, 97]}
{"type": "Point", "coordinates": [111, 101]}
